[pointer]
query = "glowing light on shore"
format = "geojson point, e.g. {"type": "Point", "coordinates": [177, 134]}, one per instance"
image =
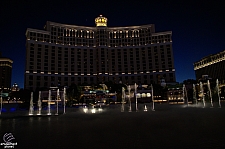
{"type": "Point", "coordinates": [93, 111]}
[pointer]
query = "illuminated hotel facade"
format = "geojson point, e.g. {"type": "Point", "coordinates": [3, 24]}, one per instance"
{"type": "Point", "coordinates": [211, 66]}
{"type": "Point", "coordinates": [63, 54]}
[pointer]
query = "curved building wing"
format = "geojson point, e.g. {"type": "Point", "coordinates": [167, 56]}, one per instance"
{"type": "Point", "coordinates": [63, 54]}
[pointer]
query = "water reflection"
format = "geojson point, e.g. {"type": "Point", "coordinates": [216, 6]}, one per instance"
{"type": "Point", "coordinates": [13, 125]}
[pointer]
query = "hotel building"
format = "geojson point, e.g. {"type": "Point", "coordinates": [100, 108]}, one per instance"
{"type": "Point", "coordinates": [211, 66]}
{"type": "Point", "coordinates": [63, 54]}
{"type": "Point", "coordinates": [5, 73]}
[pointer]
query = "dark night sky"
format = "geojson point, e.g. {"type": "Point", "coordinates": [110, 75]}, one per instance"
{"type": "Point", "coordinates": [197, 26]}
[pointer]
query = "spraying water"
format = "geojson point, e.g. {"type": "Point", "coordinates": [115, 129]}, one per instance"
{"type": "Point", "coordinates": [183, 94]}
{"type": "Point", "coordinates": [130, 110]}
{"type": "Point", "coordinates": [145, 108]}
{"type": "Point", "coordinates": [202, 94]}
{"type": "Point", "coordinates": [123, 99]}
{"type": "Point", "coordinates": [31, 110]}
{"type": "Point", "coordinates": [210, 93]}
{"type": "Point", "coordinates": [218, 91]}
{"type": "Point", "coordinates": [135, 92]}
{"type": "Point", "coordinates": [1, 104]}
{"type": "Point", "coordinates": [194, 95]}
{"type": "Point", "coordinates": [153, 104]}
{"type": "Point", "coordinates": [64, 100]}
{"type": "Point", "coordinates": [39, 104]}
{"type": "Point", "coordinates": [49, 102]}
{"type": "Point", "coordinates": [57, 105]}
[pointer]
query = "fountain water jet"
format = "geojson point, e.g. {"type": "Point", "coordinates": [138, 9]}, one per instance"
{"type": "Point", "coordinates": [123, 99]}
{"type": "Point", "coordinates": [218, 91]}
{"type": "Point", "coordinates": [85, 109]}
{"type": "Point", "coordinates": [202, 94]}
{"type": "Point", "coordinates": [49, 102]}
{"type": "Point", "coordinates": [122, 107]}
{"type": "Point", "coordinates": [39, 104]}
{"type": "Point", "coordinates": [31, 110]}
{"type": "Point", "coordinates": [210, 93]}
{"type": "Point", "coordinates": [130, 110]}
{"type": "Point", "coordinates": [145, 108]}
{"type": "Point", "coordinates": [100, 108]}
{"type": "Point", "coordinates": [153, 103]}
{"type": "Point", "coordinates": [1, 104]}
{"type": "Point", "coordinates": [57, 98]}
{"type": "Point", "coordinates": [64, 100]}
{"type": "Point", "coordinates": [135, 92]}
{"type": "Point", "coordinates": [185, 95]}
{"type": "Point", "coordinates": [194, 95]}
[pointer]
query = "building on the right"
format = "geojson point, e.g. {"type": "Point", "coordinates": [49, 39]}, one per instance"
{"type": "Point", "coordinates": [212, 66]}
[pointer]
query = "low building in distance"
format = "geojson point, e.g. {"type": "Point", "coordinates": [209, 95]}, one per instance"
{"type": "Point", "coordinates": [63, 54]}
{"type": "Point", "coordinates": [5, 73]}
